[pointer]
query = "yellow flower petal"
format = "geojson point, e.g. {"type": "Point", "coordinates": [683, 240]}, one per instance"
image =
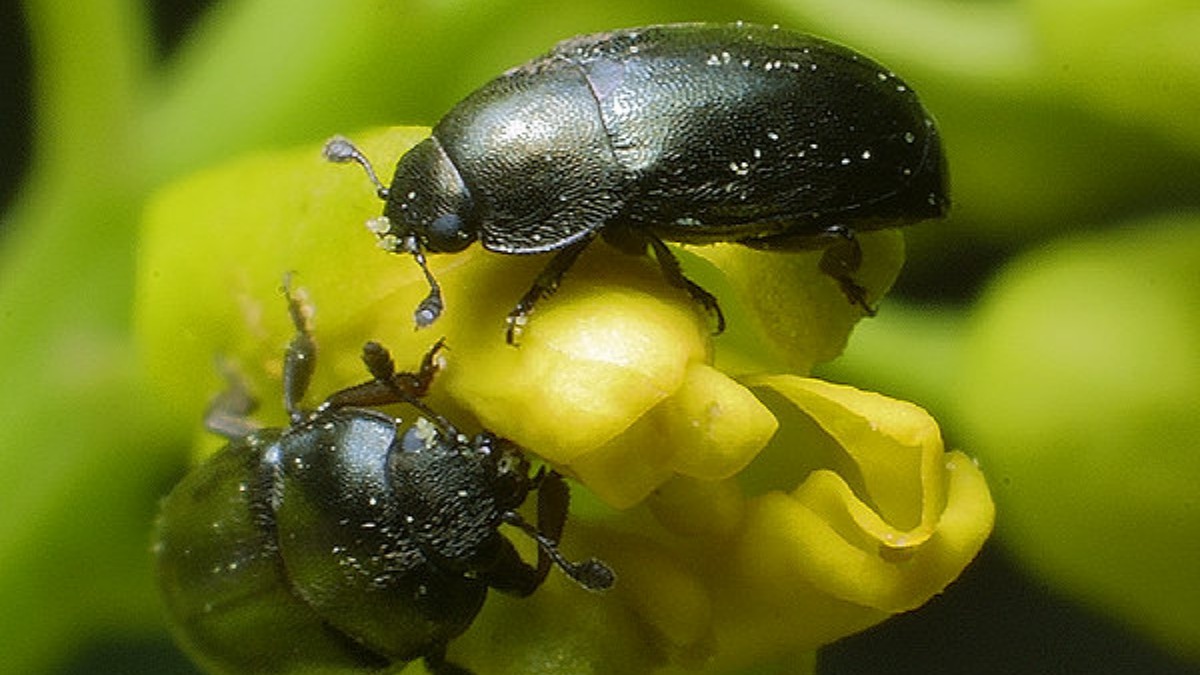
{"type": "Point", "coordinates": [666, 594]}
{"type": "Point", "coordinates": [887, 537]}
{"type": "Point", "coordinates": [693, 507]}
{"type": "Point", "coordinates": [595, 358]}
{"type": "Point", "coordinates": [717, 423]}
{"type": "Point", "coordinates": [881, 530]}
{"type": "Point", "coordinates": [710, 428]}
{"type": "Point", "coordinates": [625, 470]}
{"type": "Point", "coordinates": [791, 313]}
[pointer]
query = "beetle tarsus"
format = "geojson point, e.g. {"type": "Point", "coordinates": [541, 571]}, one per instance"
{"type": "Point", "coordinates": [855, 294]}
{"type": "Point", "coordinates": [544, 285]}
{"type": "Point", "coordinates": [514, 323]}
{"type": "Point", "coordinates": [673, 272]}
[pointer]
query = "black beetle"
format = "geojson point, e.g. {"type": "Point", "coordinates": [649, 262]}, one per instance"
{"type": "Point", "coordinates": [694, 133]}
{"type": "Point", "coordinates": [340, 543]}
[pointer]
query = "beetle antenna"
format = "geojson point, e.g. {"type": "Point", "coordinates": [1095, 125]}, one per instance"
{"type": "Point", "coordinates": [431, 307]}
{"type": "Point", "coordinates": [591, 573]}
{"type": "Point", "coordinates": [340, 150]}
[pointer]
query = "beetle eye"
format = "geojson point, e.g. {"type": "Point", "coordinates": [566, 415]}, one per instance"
{"type": "Point", "coordinates": [445, 234]}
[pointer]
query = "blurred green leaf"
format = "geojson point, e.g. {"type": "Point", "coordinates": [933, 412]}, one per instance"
{"type": "Point", "coordinates": [1135, 61]}
{"type": "Point", "coordinates": [1080, 392]}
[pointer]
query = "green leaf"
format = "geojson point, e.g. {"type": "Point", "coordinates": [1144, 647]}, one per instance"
{"type": "Point", "coordinates": [1080, 390]}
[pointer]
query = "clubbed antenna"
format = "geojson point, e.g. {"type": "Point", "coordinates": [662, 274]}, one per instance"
{"type": "Point", "coordinates": [339, 149]}
{"type": "Point", "coordinates": [431, 307]}
{"type": "Point", "coordinates": [591, 573]}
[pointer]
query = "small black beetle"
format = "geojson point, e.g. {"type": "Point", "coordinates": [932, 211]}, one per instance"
{"type": "Point", "coordinates": [340, 543]}
{"type": "Point", "coordinates": [694, 133]}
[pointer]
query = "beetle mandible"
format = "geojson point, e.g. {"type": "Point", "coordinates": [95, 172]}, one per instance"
{"type": "Point", "coordinates": [694, 133]}
{"type": "Point", "coordinates": [343, 543]}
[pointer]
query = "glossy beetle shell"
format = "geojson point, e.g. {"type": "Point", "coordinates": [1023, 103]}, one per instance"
{"type": "Point", "coordinates": [342, 543]}
{"type": "Point", "coordinates": [288, 551]}
{"type": "Point", "coordinates": [696, 132]}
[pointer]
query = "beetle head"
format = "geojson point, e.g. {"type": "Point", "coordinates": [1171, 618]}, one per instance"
{"type": "Point", "coordinates": [508, 468]}
{"type": "Point", "coordinates": [427, 208]}
{"type": "Point", "coordinates": [428, 201]}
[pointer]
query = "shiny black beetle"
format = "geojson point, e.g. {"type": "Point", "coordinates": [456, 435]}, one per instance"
{"type": "Point", "coordinates": [694, 133]}
{"type": "Point", "coordinates": [341, 542]}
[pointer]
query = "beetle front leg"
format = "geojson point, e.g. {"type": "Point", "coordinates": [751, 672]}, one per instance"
{"type": "Point", "coordinates": [543, 286]}
{"type": "Point", "coordinates": [671, 269]}
{"type": "Point", "coordinates": [378, 361]}
{"type": "Point", "coordinates": [390, 386]}
{"type": "Point", "coordinates": [510, 574]}
{"type": "Point", "coordinates": [227, 414]}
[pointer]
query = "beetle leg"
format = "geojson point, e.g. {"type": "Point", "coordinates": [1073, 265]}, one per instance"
{"type": "Point", "coordinates": [228, 413]}
{"type": "Point", "coordinates": [301, 356]}
{"type": "Point", "coordinates": [413, 385]}
{"type": "Point", "coordinates": [386, 387]}
{"type": "Point", "coordinates": [389, 386]}
{"type": "Point", "coordinates": [671, 270]}
{"type": "Point", "coordinates": [510, 574]}
{"type": "Point", "coordinates": [554, 499]}
{"type": "Point", "coordinates": [840, 260]}
{"type": "Point", "coordinates": [544, 285]}
{"type": "Point", "coordinates": [378, 361]}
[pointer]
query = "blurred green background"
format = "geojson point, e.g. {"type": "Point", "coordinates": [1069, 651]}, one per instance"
{"type": "Point", "coordinates": [1052, 323]}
